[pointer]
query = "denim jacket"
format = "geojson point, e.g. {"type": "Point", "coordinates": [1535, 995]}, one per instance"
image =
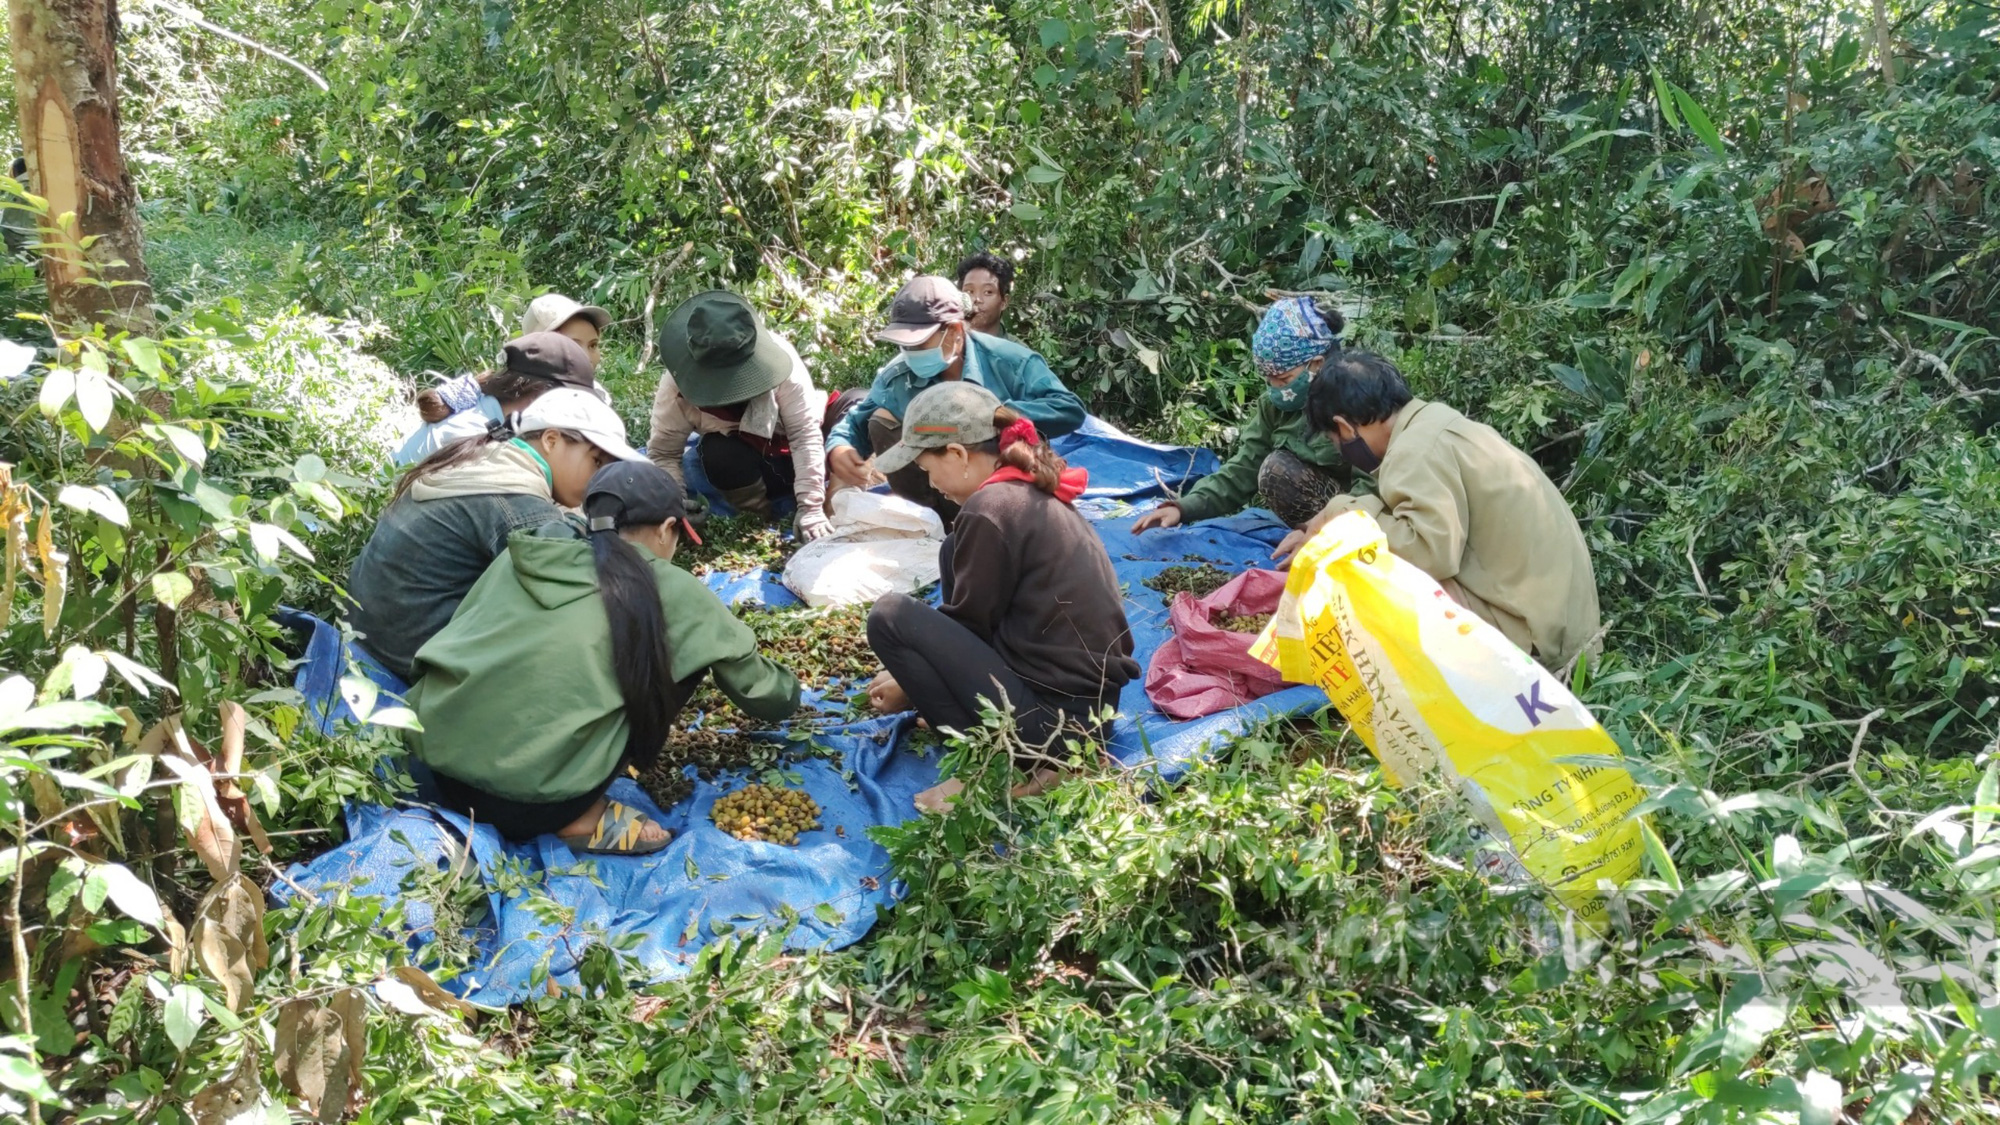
{"type": "Point", "coordinates": [1017, 377]}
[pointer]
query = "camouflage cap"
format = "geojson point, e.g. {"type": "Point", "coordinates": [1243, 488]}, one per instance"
{"type": "Point", "coordinates": [942, 414]}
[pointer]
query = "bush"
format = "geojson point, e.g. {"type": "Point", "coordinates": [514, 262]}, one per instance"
{"type": "Point", "coordinates": [331, 398]}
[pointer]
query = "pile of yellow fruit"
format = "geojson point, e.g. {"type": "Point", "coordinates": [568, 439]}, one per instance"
{"type": "Point", "coordinates": [766, 812]}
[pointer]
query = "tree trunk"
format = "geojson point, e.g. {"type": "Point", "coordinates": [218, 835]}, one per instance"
{"type": "Point", "coordinates": [66, 82]}
{"type": "Point", "coordinates": [1885, 54]}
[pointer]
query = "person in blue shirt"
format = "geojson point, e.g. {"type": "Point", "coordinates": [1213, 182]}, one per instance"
{"type": "Point", "coordinates": [927, 323]}
{"type": "Point", "coordinates": [465, 406]}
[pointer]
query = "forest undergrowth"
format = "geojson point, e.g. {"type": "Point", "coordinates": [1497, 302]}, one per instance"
{"type": "Point", "coordinates": [1728, 274]}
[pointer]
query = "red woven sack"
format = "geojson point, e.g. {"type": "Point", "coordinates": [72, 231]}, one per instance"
{"type": "Point", "coordinates": [1203, 668]}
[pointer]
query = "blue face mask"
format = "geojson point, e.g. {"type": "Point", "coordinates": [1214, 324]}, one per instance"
{"type": "Point", "coordinates": [926, 364]}
{"type": "Point", "coordinates": [1290, 398]}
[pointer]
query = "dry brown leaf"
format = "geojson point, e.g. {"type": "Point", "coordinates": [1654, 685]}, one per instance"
{"type": "Point", "coordinates": [177, 945]}
{"type": "Point", "coordinates": [110, 822]}
{"type": "Point", "coordinates": [14, 511]}
{"type": "Point", "coordinates": [285, 1040]}
{"type": "Point", "coordinates": [55, 572]}
{"type": "Point", "coordinates": [228, 938]}
{"type": "Point", "coordinates": [230, 795]}
{"type": "Point", "coordinates": [155, 740]}
{"type": "Point", "coordinates": [234, 720]}
{"type": "Point", "coordinates": [236, 1100]}
{"type": "Point", "coordinates": [423, 995]}
{"type": "Point", "coordinates": [352, 1007]}
{"type": "Point", "coordinates": [211, 836]}
{"type": "Point", "coordinates": [314, 1058]}
{"type": "Point", "coordinates": [47, 794]}
{"type": "Point", "coordinates": [110, 818]}
{"type": "Point", "coordinates": [133, 727]}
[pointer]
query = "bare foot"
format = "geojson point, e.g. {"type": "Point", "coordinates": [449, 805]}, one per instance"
{"type": "Point", "coordinates": [650, 832]}
{"type": "Point", "coordinates": [886, 695]}
{"type": "Point", "coordinates": [938, 798]}
{"type": "Point", "coordinates": [1041, 781]}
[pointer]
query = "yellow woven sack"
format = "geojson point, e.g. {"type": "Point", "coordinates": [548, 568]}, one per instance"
{"type": "Point", "coordinates": [1430, 687]}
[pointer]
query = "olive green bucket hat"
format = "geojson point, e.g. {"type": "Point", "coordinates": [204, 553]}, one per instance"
{"type": "Point", "coordinates": [718, 353]}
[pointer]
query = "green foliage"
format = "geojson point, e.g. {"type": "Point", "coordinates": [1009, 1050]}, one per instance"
{"type": "Point", "coordinates": [1595, 226]}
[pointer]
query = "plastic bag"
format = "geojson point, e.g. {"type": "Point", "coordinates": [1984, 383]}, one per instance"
{"type": "Point", "coordinates": [1432, 688]}
{"type": "Point", "coordinates": [880, 544]}
{"type": "Point", "coordinates": [1203, 668]}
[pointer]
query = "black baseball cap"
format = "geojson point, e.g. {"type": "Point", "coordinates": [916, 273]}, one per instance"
{"type": "Point", "coordinates": [636, 494]}
{"type": "Point", "coordinates": [552, 356]}
{"type": "Point", "coordinates": [919, 308]}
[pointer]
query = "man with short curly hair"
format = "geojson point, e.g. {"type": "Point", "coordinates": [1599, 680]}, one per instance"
{"type": "Point", "coordinates": [989, 281]}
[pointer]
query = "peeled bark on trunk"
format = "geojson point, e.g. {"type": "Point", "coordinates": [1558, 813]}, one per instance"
{"type": "Point", "coordinates": [66, 83]}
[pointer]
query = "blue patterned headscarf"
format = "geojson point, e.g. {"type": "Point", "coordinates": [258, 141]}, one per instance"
{"type": "Point", "coordinates": [1292, 332]}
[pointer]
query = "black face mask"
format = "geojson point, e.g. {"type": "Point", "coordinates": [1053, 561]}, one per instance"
{"type": "Point", "coordinates": [1355, 452]}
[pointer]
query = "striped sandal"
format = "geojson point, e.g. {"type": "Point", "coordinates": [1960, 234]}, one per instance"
{"type": "Point", "coordinates": [617, 832]}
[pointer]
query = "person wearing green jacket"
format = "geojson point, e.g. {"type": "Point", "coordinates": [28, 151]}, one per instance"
{"type": "Point", "coordinates": [570, 659]}
{"type": "Point", "coordinates": [1278, 453]}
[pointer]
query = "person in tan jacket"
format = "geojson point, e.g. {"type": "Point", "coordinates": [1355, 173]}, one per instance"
{"type": "Point", "coordinates": [745, 390]}
{"type": "Point", "coordinates": [1459, 502]}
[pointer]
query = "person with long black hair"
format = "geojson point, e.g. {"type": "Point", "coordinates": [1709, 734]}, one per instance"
{"type": "Point", "coordinates": [1031, 618]}
{"type": "Point", "coordinates": [570, 660]}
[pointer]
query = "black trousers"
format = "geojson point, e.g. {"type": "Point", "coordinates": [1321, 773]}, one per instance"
{"type": "Point", "coordinates": [732, 463]}
{"type": "Point", "coordinates": [945, 668]}
{"type": "Point", "coordinates": [516, 820]}
{"type": "Point", "coordinates": [525, 820]}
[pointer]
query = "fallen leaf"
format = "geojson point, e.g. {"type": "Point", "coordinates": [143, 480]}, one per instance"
{"type": "Point", "coordinates": [236, 1100]}
{"type": "Point", "coordinates": [55, 571]}
{"type": "Point", "coordinates": [228, 938]}
{"type": "Point", "coordinates": [429, 991]}
{"type": "Point", "coordinates": [314, 1057]}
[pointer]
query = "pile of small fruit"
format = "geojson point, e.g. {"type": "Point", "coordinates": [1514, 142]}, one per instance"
{"type": "Point", "coordinates": [1248, 623]}
{"type": "Point", "coordinates": [714, 753]}
{"type": "Point", "coordinates": [1201, 581]}
{"type": "Point", "coordinates": [766, 812]}
{"type": "Point", "coordinates": [666, 783]}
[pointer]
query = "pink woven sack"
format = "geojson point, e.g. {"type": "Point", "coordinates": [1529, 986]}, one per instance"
{"type": "Point", "coordinates": [1203, 668]}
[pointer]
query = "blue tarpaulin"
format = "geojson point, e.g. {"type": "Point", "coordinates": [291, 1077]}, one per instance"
{"type": "Point", "coordinates": [707, 884]}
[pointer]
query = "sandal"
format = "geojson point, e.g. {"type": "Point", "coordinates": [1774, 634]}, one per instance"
{"type": "Point", "coordinates": [616, 833]}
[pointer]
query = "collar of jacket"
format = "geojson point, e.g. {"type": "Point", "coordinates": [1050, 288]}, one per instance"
{"type": "Point", "coordinates": [503, 467]}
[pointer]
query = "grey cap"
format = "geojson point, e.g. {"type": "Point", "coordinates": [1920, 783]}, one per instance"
{"type": "Point", "coordinates": [551, 356]}
{"type": "Point", "coordinates": [919, 308]}
{"type": "Point", "coordinates": [952, 412]}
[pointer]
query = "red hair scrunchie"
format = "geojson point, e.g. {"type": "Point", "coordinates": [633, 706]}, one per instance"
{"type": "Point", "coordinates": [1021, 429]}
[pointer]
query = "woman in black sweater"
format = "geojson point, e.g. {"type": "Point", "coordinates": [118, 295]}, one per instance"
{"type": "Point", "coordinates": [1032, 619]}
